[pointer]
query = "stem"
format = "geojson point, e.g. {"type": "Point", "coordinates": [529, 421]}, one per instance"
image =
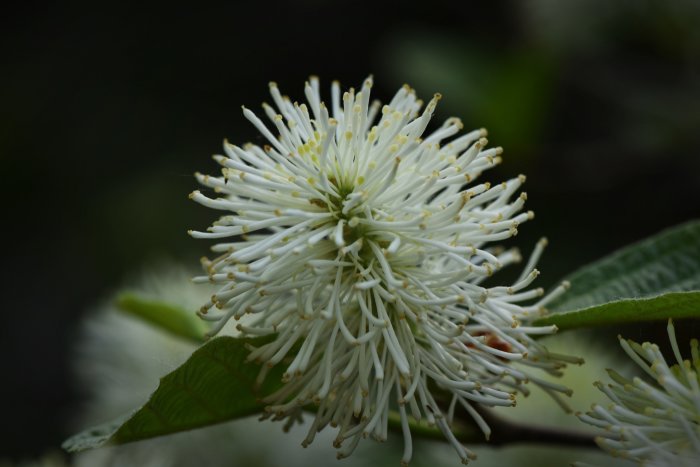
{"type": "Point", "coordinates": [504, 431]}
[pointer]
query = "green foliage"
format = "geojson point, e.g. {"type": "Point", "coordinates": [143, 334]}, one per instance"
{"type": "Point", "coordinates": [166, 316]}
{"type": "Point", "coordinates": [662, 307]}
{"type": "Point", "coordinates": [214, 385]}
{"type": "Point", "coordinates": [508, 93]}
{"type": "Point", "coordinates": [655, 279]}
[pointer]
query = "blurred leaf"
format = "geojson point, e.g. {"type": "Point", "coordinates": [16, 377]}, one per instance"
{"type": "Point", "coordinates": [214, 385]}
{"type": "Point", "coordinates": [166, 316]}
{"type": "Point", "coordinates": [509, 93]}
{"type": "Point", "coordinates": [655, 279]}
{"type": "Point", "coordinates": [94, 437]}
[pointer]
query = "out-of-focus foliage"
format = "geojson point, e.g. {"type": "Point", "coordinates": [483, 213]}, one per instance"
{"type": "Point", "coordinates": [169, 317]}
{"type": "Point", "coordinates": [508, 93]}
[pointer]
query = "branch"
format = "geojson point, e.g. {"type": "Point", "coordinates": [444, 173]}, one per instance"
{"type": "Point", "coordinates": [504, 431]}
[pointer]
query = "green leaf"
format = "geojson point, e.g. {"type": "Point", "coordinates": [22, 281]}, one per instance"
{"type": "Point", "coordinates": [166, 316]}
{"type": "Point", "coordinates": [655, 279]}
{"type": "Point", "coordinates": [214, 385]}
{"type": "Point", "coordinates": [671, 305]}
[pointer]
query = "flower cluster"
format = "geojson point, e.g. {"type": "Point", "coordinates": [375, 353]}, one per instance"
{"type": "Point", "coordinates": [361, 243]}
{"type": "Point", "coordinates": [658, 424]}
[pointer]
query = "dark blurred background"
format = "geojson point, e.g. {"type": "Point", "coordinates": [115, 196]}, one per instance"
{"type": "Point", "coordinates": [107, 108]}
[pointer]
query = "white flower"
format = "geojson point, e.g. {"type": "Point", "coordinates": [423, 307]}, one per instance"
{"type": "Point", "coordinates": [361, 243]}
{"type": "Point", "coordinates": [658, 424]}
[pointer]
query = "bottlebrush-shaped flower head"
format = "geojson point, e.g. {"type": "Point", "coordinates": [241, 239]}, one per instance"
{"type": "Point", "coordinates": [360, 242]}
